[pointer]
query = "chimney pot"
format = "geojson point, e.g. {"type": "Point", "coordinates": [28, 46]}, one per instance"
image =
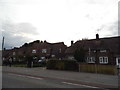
{"type": "Point", "coordinates": [72, 42]}
{"type": "Point", "coordinates": [97, 36]}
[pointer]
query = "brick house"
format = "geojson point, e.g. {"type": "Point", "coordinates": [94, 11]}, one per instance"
{"type": "Point", "coordinates": [99, 50]}
{"type": "Point", "coordinates": [48, 50]}
{"type": "Point", "coordinates": [39, 50]}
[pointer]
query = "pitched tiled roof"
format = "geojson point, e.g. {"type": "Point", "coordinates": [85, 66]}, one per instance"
{"type": "Point", "coordinates": [111, 44]}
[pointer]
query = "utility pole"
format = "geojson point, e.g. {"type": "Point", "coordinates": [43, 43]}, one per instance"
{"type": "Point", "coordinates": [3, 43]}
{"type": "Point", "coordinates": [2, 49]}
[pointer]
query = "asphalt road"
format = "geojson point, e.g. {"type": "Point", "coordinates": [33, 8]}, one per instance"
{"type": "Point", "coordinates": [16, 77]}
{"type": "Point", "coordinates": [23, 81]}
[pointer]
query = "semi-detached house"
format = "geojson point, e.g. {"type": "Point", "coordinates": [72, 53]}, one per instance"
{"type": "Point", "coordinates": [39, 50]}
{"type": "Point", "coordinates": [97, 51]}
{"type": "Point", "coordinates": [100, 50]}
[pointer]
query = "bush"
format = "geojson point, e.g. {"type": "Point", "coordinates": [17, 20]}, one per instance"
{"type": "Point", "coordinates": [36, 65]}
{"type": "Point", "coordinates": [19, 65]}
{"type": "Point", "coordinates": [51, 64]}
{"type": "Point", "coordinates": [71, 65]}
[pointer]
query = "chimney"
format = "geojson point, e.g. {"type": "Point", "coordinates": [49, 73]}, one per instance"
{"type": "Point", "coordinates": [45, 41]}
{"type": "Point", "coordinates": [97, 36]}
{"type": "Point", "coordinates": [72, 42]}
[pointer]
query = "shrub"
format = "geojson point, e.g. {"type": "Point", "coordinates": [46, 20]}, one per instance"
{"type": "Point", "coordinates": [51, 64]}
{"type": "Point", "coordinates": [79, 54]}
{"type": "Point", "coordinates": [71, 65]}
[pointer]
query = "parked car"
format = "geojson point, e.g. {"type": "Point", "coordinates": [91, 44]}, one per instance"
{"type": "Point", "coordinates": [39, 61]}
{"type": "Point", "coordinates": [42, 62]}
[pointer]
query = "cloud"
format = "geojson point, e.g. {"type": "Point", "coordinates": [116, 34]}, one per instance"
{"type": "Point", "coordinates": [26, 28]}
{"type": "Point", "coordinates": [17, 34]}
{"type": "Point", "coordinates": [110, 29]}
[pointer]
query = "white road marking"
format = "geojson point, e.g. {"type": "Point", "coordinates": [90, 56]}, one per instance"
{"type": "Point", "coordinates": [28, 76]}
{"type": "Point", "coordinates": [34, 77]}
{"type": "Point", "coordinates": [79, 85]}
{"type": "Point", "coordinates": [62, 82]}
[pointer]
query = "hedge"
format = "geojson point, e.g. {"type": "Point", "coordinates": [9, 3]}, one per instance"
{"type": "Point", "coordinates": [70, 65]}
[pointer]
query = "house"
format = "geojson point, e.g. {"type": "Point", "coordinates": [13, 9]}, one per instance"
{"type": "Point", "coordinates": [47, 50]}
{"type": "Point", "coordinates": [39, 50]}
{"type": "Point", "coordinates": [99, 50]}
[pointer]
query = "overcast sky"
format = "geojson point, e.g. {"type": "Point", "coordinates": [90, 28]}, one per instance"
{"type": "Point", "coordinates": [24, 21]}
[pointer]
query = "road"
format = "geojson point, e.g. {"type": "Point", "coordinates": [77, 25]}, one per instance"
{"type": "Point", "coordinates": [42, 78]}
{"type": "Point", "coordinates": [22, 81]}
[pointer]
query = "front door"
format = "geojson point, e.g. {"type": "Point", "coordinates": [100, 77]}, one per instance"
{"type": "Point", "coordinates": [118, 62]}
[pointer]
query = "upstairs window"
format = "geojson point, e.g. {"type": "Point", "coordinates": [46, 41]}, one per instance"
{"type": "Point", "coordinates": [103, 50]}
{"type": "Point", "coordinates": [44, 50]}
{"type": "Point", "coordinates": [34, 51]}
{"type": "Point", "coordinates": [14, 53]}
{"type": "Point", "coordinates": [103, 60]}
{"type": "Point", "coordinates": [60, 50]}
{"type": "Point", "coordinates": [52, 56]}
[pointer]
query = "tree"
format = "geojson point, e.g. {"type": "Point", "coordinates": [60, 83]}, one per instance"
{"type": "Point", "coordinates": [29, 59]}
{"type": "Point", "coordinates": [79, 54]}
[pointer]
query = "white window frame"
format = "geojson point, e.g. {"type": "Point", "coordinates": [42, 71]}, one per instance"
{"type": "Point", "coordinates": [118, 62]}
{"type": "Point", "coordinates": [33, 51]}
{"type": "Point", "coordinates": [90, 59]}
{"type": "Point", "coordinates": [71, 57]}
{"type": "Point", "coordinates": [44, 50]}
{"type": "Point", "coordinates": [100, 59]}
{"type": "Point", "coordinates": [60, 50]}
{"type": "Point", "coordinates": [103, 60]}
{"type": "Point", "coordinates": [103, 51]}
{"type": "Point", "coordinates": [14, 53]}
{"type": "Point", "coordinates": [42, 58]}
{"type": "Point", "coordinates": [52, 56]}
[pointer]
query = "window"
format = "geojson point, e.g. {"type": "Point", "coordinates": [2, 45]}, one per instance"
{"type": "Point", "coordinates": [103, 51]}
{"type": "Point", "coordinates": [90, 59]}
{"type": "Point", "coordinates": [70, 57]}
{"type": "Point", "coordinates": [13, 53]}
{"type": "Point", "coordinates": [94, 51]}
{"type": "Point", "coordinates": [44, 50]}
{"type": "Point", "coordinates": [34, 51]}
{"type": "Point", "coordinates": [60, 50]}
{"type": "Point", "coordinates": [103, 60]}
{"type": "Point", "coordinates": [118, 62]}
{"type": "Point", "coordinates": [42, 58]}
{"type": "Point", "coordinates": [3, 58]}
{"type": "Point", "coordinates": [52, 55]}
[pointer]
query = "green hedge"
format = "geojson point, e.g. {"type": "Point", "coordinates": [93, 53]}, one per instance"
{"type": "Point", "coordinates": [19, 65]}
{"type": "Point", "coordinates": [70, 65]}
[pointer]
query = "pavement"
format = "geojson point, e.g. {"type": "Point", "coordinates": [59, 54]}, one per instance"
{"type": "Point", "coordinates": [89, 79]}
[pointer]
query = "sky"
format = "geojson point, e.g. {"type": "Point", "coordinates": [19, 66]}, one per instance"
{"type": "Point", "coordinates": [24, 21]}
